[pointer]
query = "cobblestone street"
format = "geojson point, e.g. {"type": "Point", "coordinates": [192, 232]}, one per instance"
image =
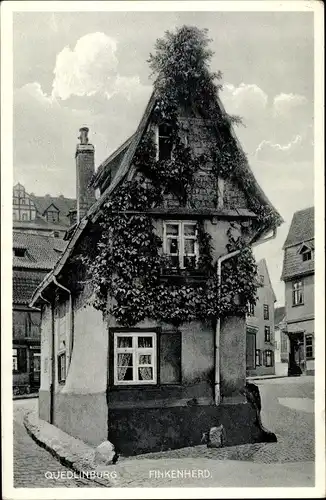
{"type": "Point", "coordinates": [287, 410]}
{"type": "Point", "coordinates": [31, 462]}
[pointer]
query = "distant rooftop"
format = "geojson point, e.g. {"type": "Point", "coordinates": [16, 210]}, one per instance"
{"type": "Point", "coordinates": [302, 227]}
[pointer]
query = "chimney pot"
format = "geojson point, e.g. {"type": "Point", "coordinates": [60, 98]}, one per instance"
{"type": "Point", "coordinates": [83, 135]}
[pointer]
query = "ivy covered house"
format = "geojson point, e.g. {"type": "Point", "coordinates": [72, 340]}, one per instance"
{"type": "Point", "coordinates": [143, 317]}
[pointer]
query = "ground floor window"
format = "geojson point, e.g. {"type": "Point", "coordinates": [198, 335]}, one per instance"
{"type": "Point", "coordinates": [268, 358]}
{"type": "Point", "coordinates": [258, 357]}
{"type": "Point", "coordinates": [62, 368]}
{"type": "Point", "coordinates": [146, 357]}
{"type": "Point", "coordinates": [251, 350]}
{"type": "Point", "coordinates": [135, 358]}
{"type": "Point", "coordinates": [309, 347]}
{"type": "Point", "coordinates": [19, 360]}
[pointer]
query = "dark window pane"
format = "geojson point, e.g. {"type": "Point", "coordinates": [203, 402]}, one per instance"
{"type": "Point", "coordinates": [165, 148]}
{"type": "Point", "coordinates": [145, 373]}
{"type": "Point", "coordinates": [125, 373]}
{"type": "Point", "coordinates": [124, 341]}
{"type": "Point", "coordinates": [124, 359]}
{"type": "Point", "coordinates": [250, 350]}
{"type": "Point", "coordinates": [145, 341]}
{"type": "Point", "coordinates": [172, 246]}
{"type": "Point", "coordinates": [145, 359]}
{"type": "Point", "coordinates": [170, 358]}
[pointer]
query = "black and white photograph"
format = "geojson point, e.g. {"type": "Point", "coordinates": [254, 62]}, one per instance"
{"type": "Point", "coordinates": [162, 180]}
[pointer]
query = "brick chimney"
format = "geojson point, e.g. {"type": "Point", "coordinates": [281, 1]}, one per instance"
{"type": "Point", "coordinates": [84, 173]}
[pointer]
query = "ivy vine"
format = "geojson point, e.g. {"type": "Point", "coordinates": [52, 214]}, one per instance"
{"type": "Point", "coordinates": [130, 265]}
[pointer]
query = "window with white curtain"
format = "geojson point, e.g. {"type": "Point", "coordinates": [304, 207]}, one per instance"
{"type": "Point", "coordinates": [135, 358]}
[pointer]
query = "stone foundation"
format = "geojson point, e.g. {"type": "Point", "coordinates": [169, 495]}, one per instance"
{"type": "Point", "coordinates": [140, 430]}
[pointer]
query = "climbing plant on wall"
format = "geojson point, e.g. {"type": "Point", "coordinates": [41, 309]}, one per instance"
{"type": "Point", "coordinates": [130, 266]}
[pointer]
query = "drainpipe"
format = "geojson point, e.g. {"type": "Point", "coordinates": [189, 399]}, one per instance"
{"type": "Point", "coordinates": [220, 260]}
{"type": "Point", "coordinates": [70, 315]}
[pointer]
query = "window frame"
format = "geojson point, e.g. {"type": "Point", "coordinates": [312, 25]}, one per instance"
{"type": "Point", "coordinates": [158, 137]}
{"type": "Point", "coordinates": [268, 353]}
{"type": "Point", "coordinates": [310, 346]}
{"type": "Point", "coordinates": [251, 309]}
{"type": "Point", "coordinates": [181, 238]}
{"type": "Point", "coordinates": [62, 367]}
{"type": "Point", "coordinates": [267, 333]}
{"type": "Point", "coordinates": [266, 311]}
{"type": "Point", "coordinates": [15, 358]}
{"type": "Point", "coordinates": [135, 351]}
{"type": "Point", "coordinates": [296, 293]}
{"type": "Point", "coordinates": [258, 357]}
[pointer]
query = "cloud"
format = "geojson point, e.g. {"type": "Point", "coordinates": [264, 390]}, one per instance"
{"type": "Point", "coordinates": [246, 100]}
{"type": "Point", "coordinates": [89, 68]}
{"type": "Point", "coordinates": [286, 105]}
{"type": "Point", "coordinates": [298, 149]}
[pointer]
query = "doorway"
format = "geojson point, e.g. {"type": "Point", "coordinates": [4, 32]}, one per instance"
{"type": "Point", "coordinates": [297, 354]}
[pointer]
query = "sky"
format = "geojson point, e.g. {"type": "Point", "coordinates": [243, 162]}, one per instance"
{"type": "Point", "coordinates": [73, 69]}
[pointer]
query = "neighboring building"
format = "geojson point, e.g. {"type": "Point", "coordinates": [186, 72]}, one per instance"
{"type": "Point", "coordinates": [33, 257]}
{"type": "Point", "coordinates": [152, 385]}
{"type": "Point", "coordinates": [281, 342]}
{"type": "Point", "coordinates": [260, 327]}
{"type": "Point", "coordinates": [298, 276]}
{"type": "Point", "coordinates": [46, 215]}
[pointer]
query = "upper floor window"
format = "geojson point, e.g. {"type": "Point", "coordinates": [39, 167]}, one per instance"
{"type": "Point", "coordinates": [251, 309]}
{"type": "Point", "coordinates": [180, 243]}
{"type": "Point", "coordinates": [164, 142]}
{"type": "Point", "coordinates": [306, 253]}
{"type": "Point", "coordinates": [52, 216]}
{"type": "Point", "coordinates": [297, 293]}
{"type": "Point", "coordinates": [267, 331]}
{"type": "Point", "coordinates": [266, 311]}
{"type": "Point", "coordinates": [261, 279]}
{"type": "Point", "coordinates": [19, 252]}
{"type": "Point", "coordinates": [24, 216]}
{"type": "Point", "coordinates": [15, 201]}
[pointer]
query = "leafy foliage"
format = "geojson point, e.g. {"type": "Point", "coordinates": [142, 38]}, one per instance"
{"type": "Point", "coordinates": [130, 264]}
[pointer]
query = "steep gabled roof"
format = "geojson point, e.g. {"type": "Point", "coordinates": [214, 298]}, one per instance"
{"type": "Point", "coordinates": [129, 148]}
{"type": "Point", "coordinates": [106, 166]}
{"type": "Point", "coordinates": [263, 269]}
{"type": "Point", "coordinates": [302, 227]}
{"type": "Point", "coordinates": [279, 315]}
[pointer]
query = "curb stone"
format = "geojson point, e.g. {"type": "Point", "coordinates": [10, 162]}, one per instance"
{"type": "Point", "coordinates": [265, 377]}
{"type": "Point", "coordinates": [71, 452]}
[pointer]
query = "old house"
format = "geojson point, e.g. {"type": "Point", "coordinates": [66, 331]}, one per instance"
{"type": "Point", "coordinates": [33, 257]}
{"type": "Point", "coordinates": [143, 317]}
{"type": "Point", "coordinates": [281, 342]}
{"type": "Point", "coordinates": [298, 276]}
{"type": "Point", "coordinates": [45, 215]}
{"type": "Point", "coordinates": [260, 327]}
{"type": "Point", "coordinates": [39, 225]}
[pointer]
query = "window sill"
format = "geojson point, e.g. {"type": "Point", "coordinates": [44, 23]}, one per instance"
{"type": "Point", "coordinates": [298, 305]}
{"type": "Point", "coordinates": [143, 386]}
